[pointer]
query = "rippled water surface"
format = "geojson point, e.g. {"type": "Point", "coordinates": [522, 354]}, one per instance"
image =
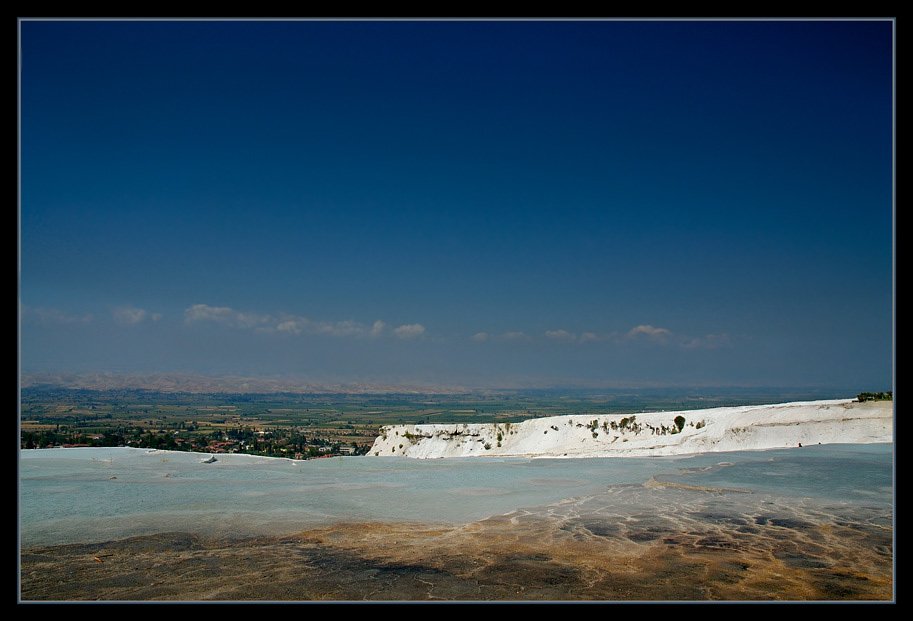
{"type": "Point", "coordinates": [70, 495]}
{"type": "Point", "coordinates": [814, 523]}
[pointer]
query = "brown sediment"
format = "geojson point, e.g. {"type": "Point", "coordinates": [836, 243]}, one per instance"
{"type": "Point", "coordinates": [702, 556]}
{"type": "Point", "coordinates": [654, 483]}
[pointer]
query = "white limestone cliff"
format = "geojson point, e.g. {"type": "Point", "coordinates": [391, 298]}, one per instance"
{"type": "Point", "coordinates": [654, 433]}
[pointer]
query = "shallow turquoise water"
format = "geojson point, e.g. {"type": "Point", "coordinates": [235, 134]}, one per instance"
{"type": "Point", "coordinates": [842, 472]}
{"type": "Point", "coordinates": [69, 495]}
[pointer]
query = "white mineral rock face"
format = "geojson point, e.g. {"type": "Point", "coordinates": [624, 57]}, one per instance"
{"type": "Point", "coordinates": [635, 435]}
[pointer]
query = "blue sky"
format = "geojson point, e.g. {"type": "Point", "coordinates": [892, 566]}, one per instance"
{"type": "Point", "coordinates": [477, 203]}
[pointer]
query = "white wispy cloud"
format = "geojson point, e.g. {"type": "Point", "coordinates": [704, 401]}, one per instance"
{"type": "Point", "coordinates": [340, 328]}
{"type": "Point", "coordinates": [291, 326]}
{"type": "Point", "coordinates": [667, 337]}
{"type": "Point", "coordinates": [286, 323]}
{"type": "Point", "coordinates": [560, 335]}
{"type": "Point", "coordinates": [511, 335]}
{"type": "Point", "coordinates": [53, 316]}
{"type": "Point", "coordinates": [650, 332]}
{"type": "Point", "coordinates": [708, 341]}
{"type": "Point", "coordinates": [643, 332]}
{"type": "Point", "coordinates": [131, 315]}
{"type": "Point", "coordinates": [223, 315]}
{"type": "Point", "coordinates": [514, 335]}
{"type": "Point", "coordinates": [294, 324]}
{"type": "Point", "coordinates": [409, 331]}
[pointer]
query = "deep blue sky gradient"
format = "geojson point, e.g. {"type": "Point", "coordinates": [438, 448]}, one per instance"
{"type": "Point", "coordinates": [724, 178]}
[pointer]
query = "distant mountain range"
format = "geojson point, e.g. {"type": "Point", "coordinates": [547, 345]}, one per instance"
{"type": "Point", "coordinates": [178, 382]}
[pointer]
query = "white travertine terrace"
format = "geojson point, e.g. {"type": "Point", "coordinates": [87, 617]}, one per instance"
{"type": "Point", "coordinates": [637, 435]}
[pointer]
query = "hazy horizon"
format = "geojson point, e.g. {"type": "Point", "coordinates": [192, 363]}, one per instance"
{"type": "Point", "coordinates": [481, 204]}
{"type": "Point", "coordinates": [266, 384]}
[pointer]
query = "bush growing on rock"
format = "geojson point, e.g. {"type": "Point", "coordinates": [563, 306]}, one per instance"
{"type": "Point", "coordinates": [875, 396]}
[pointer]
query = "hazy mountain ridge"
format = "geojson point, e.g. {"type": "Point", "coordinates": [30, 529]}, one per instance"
{"type": "Point", "coordinates": [191, 383]}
